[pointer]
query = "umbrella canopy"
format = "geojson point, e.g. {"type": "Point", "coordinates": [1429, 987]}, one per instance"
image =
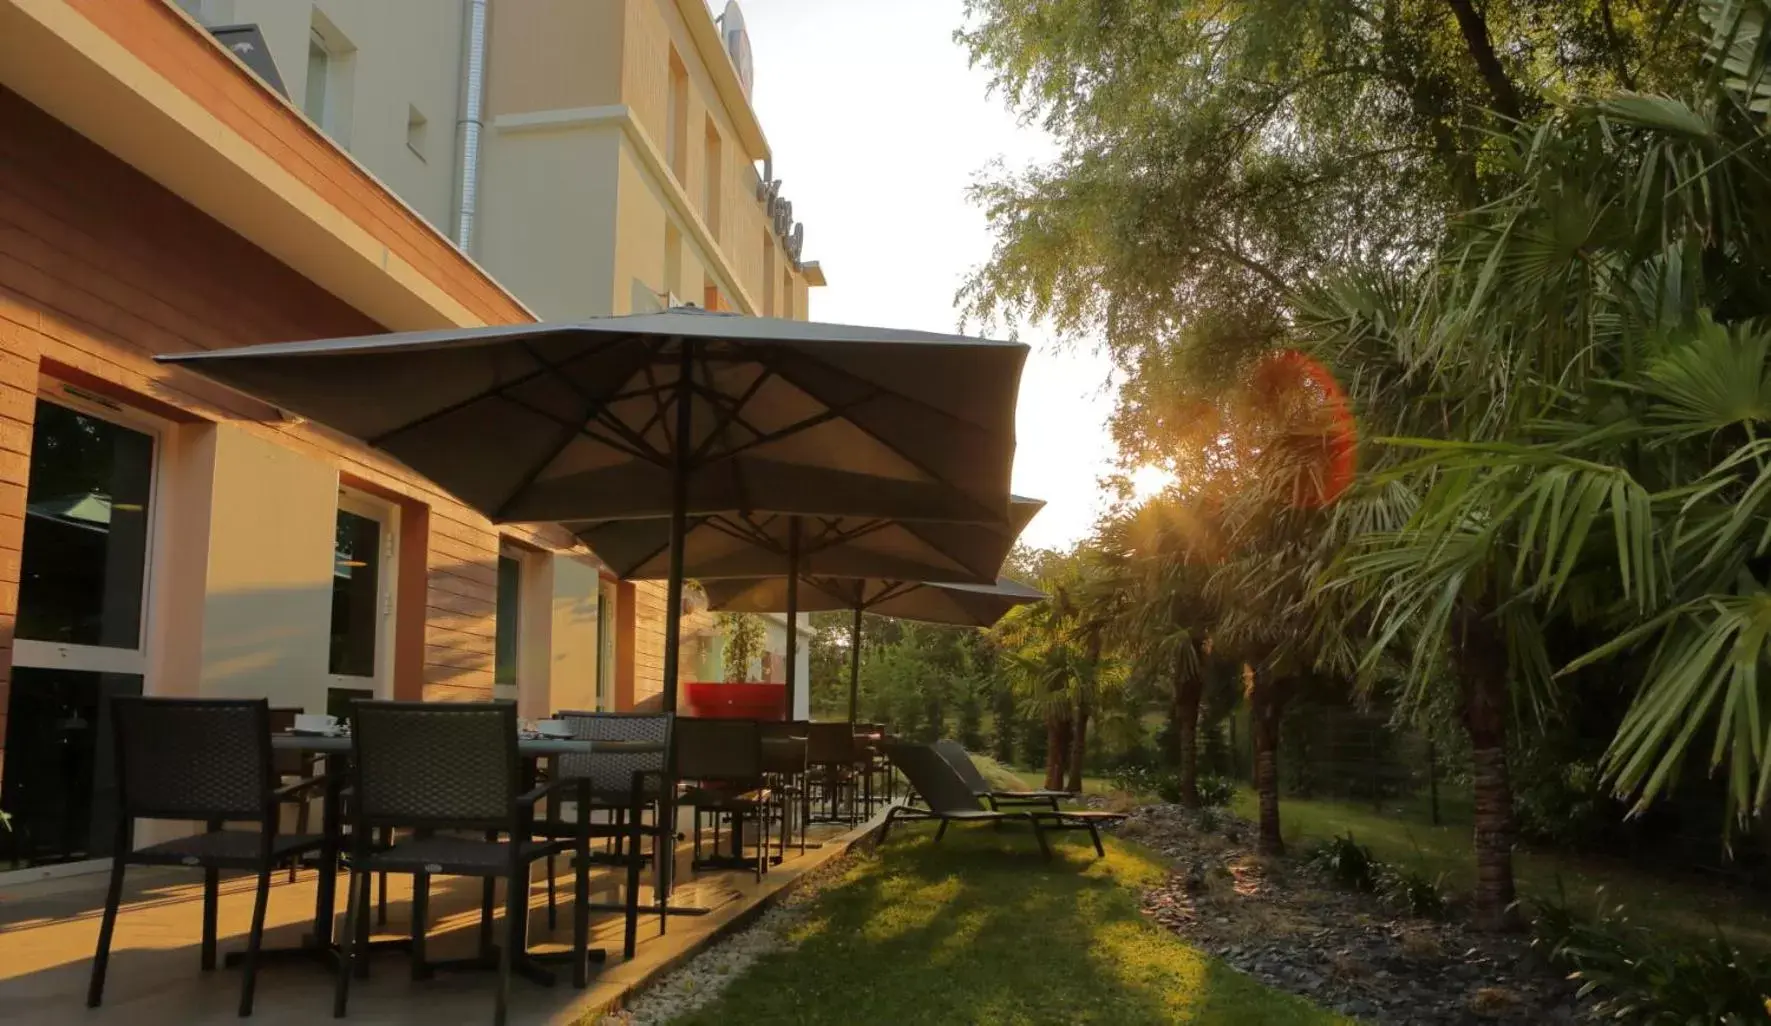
{"type": "Point", "coordinates": [548, 422]}
{"type": "Point", "coordinates": [666, 414]}
{"type": "Point", "coordinates": [758, 545]}
{"type": "Point", "coordinates": [963, 605]}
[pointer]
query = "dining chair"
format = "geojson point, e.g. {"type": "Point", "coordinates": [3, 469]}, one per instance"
{"type": "Point", "coordinates": [293, 765]}
{"type": "Point", "coordinates": [207, 760]}
{"type": "Point", "coordinates": [723, 759]}
{"type": "Point", "coordinates": [784, 760]}
{"type": "Point", "coordinates": [624, 786]}
{"type": "Point", "coordinates": [439, 769]}
{"type": "Point", "coordinates": [831, 751]}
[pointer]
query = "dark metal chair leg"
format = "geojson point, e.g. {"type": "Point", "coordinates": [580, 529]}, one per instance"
{"type": "Point", "coordinates": [1094, 834]}
{"type": "Point", "coordinates": [387, 839]}
{"type": "Point", "coordinates": [514, 909]}
{"type": "Point", "coordinates": [211, 899]}
{"type": "Point", "coordinates": [1045, 847]}
{"type": "Point", "coordinates": [488, 896]}
{"type": "Point", "coordinates": [255, 939]}
{"type": "Point", "coordinates": [101, 959]}
{"type": "Point", "coordinates": [635, 858]}
{"type": "Point", "coordinates": [348, 955]}
{"type": "Point", "coordinates": [940, 831]}
{"type": "Point", "coordinates": [363, 930]}
{"type": "Point", "coordinates": [420, 923]}
{"type": "Point", "coordinates": [553, 915]}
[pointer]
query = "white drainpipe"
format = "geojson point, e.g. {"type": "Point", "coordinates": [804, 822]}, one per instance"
{"type": "Point", "coordinates": [472, 121]}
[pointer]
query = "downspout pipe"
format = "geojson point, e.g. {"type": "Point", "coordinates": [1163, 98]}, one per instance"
{"type": "Point", "coordinates": [470, 124]}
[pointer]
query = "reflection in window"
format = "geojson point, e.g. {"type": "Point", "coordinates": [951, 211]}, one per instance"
{"type": "Point", "coordinates": [510, 597]}
{"type": "Point", "coordinates": [86, 531]}
{"type": "Point", "coordinates": [356, 593]}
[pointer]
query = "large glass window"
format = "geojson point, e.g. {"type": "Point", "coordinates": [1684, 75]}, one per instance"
{"type": "Point", "coordinates": [356, 595]}
{"type": "Point", "coordinates": [86, 531]}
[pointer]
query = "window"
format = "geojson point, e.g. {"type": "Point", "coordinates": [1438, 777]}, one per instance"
{"type": "Point", "coordinates": [713, 299]}
{"type": "Point", "coordinates": [508, 623]}
{"type": "Point", "coordinates": [319, 76]}
{"type": "Point", "coordinates": [676, 143]}
{"type": "Point", "coordinates": [673, 261]}
{"type": "Point", "coordinates": [86, 531]}
{"type": "Point", "coordinates": [79, 634]}
{"type": "Point", "coordinates": [605, 640]}
{"type": "Point", "coordinates": [326, 95]}
{"type": "Point", "coordinates": [416, 132]}
{"type": "Point", "coordinates": [768, 289]}
{"type": "Point", "coordinates": [711, 182]}
{"type": "Point", "coordinates": [356, 595]}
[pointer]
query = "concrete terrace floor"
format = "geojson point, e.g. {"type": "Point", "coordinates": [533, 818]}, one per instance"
{"type": "Point", "coordinates": [49, 928]}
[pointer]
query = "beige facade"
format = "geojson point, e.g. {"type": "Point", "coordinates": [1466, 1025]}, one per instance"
{"type": "Point", "coordinates": [617, 172]}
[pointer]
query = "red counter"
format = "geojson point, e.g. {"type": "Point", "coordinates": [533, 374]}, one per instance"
{"type": "Point", "coordinates": [725, 700]}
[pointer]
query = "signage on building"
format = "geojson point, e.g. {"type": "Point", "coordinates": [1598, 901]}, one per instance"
{"type": "Point", "coordinates": [247, 43]}
{"type": "Point", "coordinates": [780, 214]}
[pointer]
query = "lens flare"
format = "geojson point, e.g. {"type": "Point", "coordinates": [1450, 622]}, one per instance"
{"type": "Point", "coordinates": [1317, 420]}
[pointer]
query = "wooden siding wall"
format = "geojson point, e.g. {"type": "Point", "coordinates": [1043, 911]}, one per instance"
{"type": "Point", "coordinates": [101, 268]}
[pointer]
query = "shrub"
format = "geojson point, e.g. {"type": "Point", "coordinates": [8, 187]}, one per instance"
{"type": "Point", "coordinates": [1413, 892]}
{"type": "Point", "coordinates": [1215, 792]}
{"type": "Point", "coordinates": [1635, 976]}
{"type": "Point", "coordinates": [1347, 862]}
{"type": "Point", "coordinates": [1138, 779]}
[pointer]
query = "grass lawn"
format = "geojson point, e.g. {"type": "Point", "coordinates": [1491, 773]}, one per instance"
{"type": "Point", "coordinates": [982, 930]}
{"type": "Point", "coordinates": [1404, 835]}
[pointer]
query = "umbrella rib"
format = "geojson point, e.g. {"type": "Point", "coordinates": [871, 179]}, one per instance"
{"type": "Point", "coordinates": [496, 390]}
{"type": "Point", "coordinates": [599, 410]}
{"type": "Point", "coordinates": [567, 436]}
{"type": "Point", "coordinates": [737, 406]}
{"type": "Point", "coordinates": [918, 464]}
{"type": "Point", "coordinates": [633, 451]}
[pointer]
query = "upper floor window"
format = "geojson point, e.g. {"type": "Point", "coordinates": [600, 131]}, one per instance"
{"type": "Point", "coordinates": [676, 143]}
{"type": "Point", "coordinates": [711, 182]}
{"type": "Point", "coordinates": [326, 95]}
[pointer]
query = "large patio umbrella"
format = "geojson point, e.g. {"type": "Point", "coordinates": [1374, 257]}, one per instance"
{"type": "Point", "coordinates": [790, 548]}
{"type": "Point", "coordinates": [665, 415]}
{"type": "Point", "coordinates": [964, 605]}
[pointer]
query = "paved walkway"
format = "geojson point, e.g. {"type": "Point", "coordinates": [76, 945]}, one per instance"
{"type": "Point", "coordinates": [48, 930]}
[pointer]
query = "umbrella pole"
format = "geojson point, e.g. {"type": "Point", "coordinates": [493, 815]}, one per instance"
{"type": "Point", "coordinates": [854, 665]}
{"type": "Point", "coordinates": [792, 612]}
{"type": "Point", "coordinates": [679, 503]}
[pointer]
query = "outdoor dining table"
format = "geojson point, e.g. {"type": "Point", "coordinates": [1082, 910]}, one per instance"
{"type": "Point", "coordinates": [320, 941]}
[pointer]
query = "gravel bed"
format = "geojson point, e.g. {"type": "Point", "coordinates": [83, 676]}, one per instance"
{"type": "Point", "coordinates": [702, 979]}
{"type": "Point", "coordinates": [1277, 921]}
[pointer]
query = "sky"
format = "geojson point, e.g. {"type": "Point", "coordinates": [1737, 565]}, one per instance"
{"type": "Point", "coordinates": [877, 126]}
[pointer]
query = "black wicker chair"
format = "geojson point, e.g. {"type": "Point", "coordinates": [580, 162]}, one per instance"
{"type": "Point", "coordinates": [292, 766]}
{"type": "Point", "coordinates": [724, 759]}
{"type": "Point", "coordinates": [833, 755]}
{"type": "Point", "coordinates": [784, 761]}
{"type": "Point", "coordinates": [208, 760]}
{"type": "Point", "coordinates": [622, 785]}
{"type": "Point", "coordinates": [436, 769]}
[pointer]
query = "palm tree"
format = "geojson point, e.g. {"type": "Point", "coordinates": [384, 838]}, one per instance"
{"type": "Point", "coordinates": [1590, 374]}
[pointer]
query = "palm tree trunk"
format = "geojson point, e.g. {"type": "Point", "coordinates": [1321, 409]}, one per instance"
{"type": "Point", "coordinates": [1078, 747]}
{"type": "Point", "coordinates": [1266, 707]}
{"type": "Point", "coordinates": [1185, 713]}
{"type": "Point", "coordinates": [1485, 715]}
{"type": "Point", "coordinates": [1057, 748]}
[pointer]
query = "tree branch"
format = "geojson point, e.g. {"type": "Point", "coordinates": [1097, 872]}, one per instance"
{"type": "Point", "coordinates": [1624, 77]}
{"type": "Point", "coordinates": [1475, 30]}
